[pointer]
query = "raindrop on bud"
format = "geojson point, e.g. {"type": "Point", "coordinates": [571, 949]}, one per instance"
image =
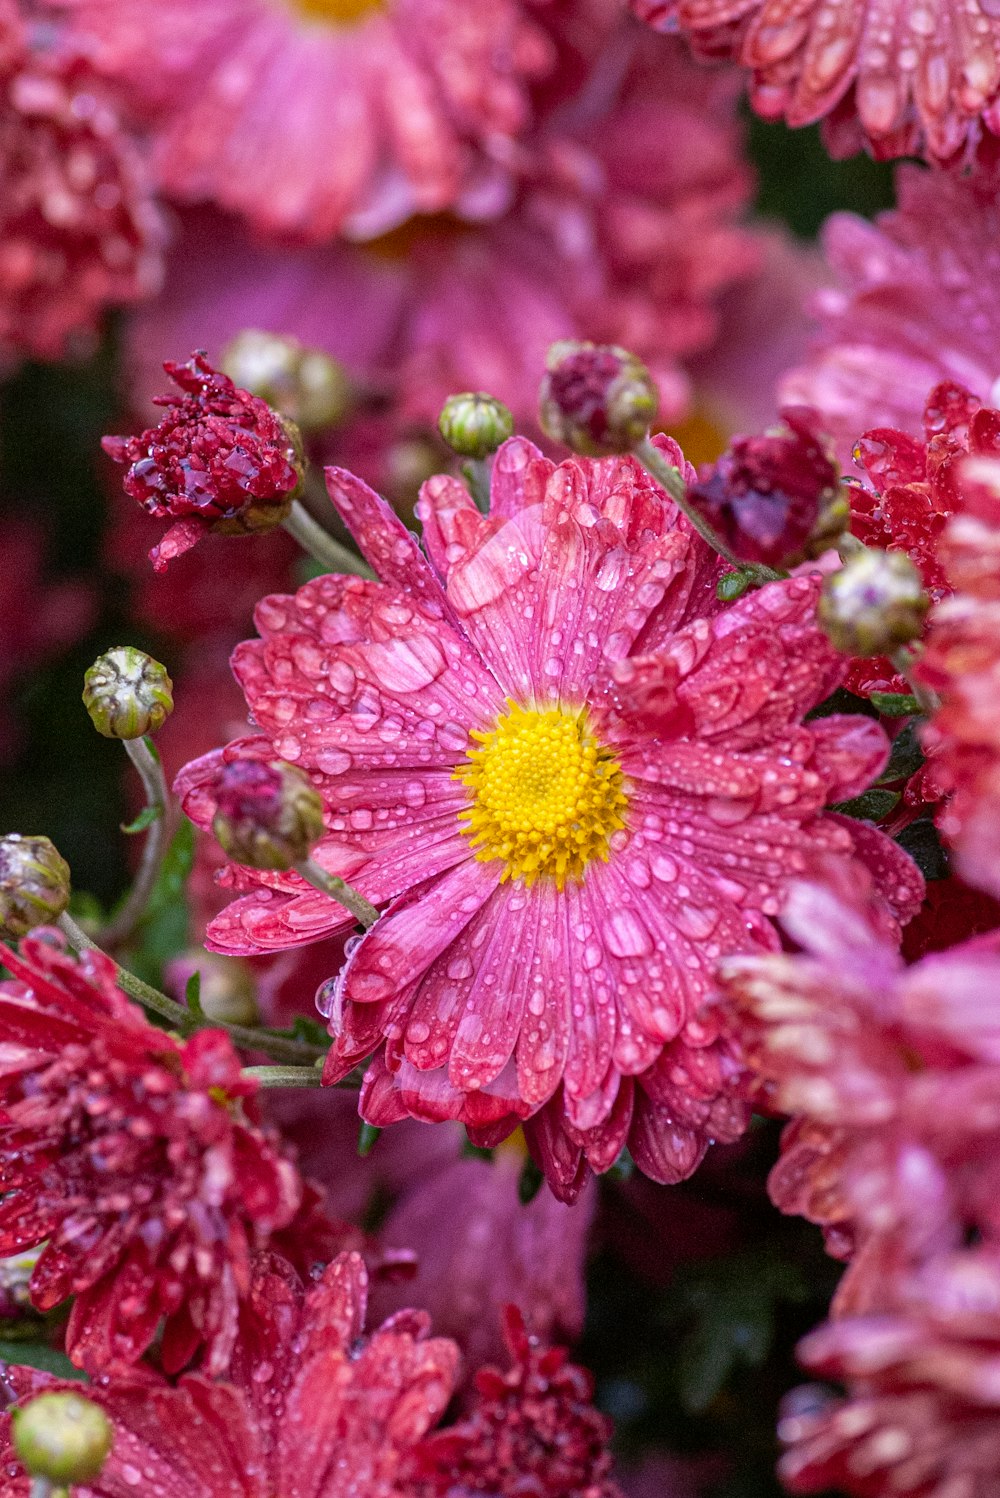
{"type": "Point", "coordinates": [127, 693]}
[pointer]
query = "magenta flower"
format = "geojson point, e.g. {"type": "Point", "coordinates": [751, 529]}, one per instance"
{"type": "Point", "coordinates": [898, 78]}
{"type": "Point", "coordinates": [917, 303]}
{"type": "Point", "coordinates": [79, 230]}
{"type": "Point", "coordinates": [890, 1073]}
{"type": "Point", "coordinates": [576, 782]}
{"type": "Point", "coordinates": [324, 115]}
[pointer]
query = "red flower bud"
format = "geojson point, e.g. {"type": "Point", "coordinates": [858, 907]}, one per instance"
{"type": "Point", "coordinates": [268, 816]}
{"type": "Point", "coordinates": [596, 398]}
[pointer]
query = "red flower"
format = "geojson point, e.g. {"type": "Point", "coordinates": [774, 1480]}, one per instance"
{"type": "Point", "coordinates": [127, 1153]}
{"type": "Point", "coordinates": [533, 1431]}
{"type": "Point", "coordinates": [79, 229]}
{"type": "Point", "coordinates": [922, 1412]}
{"type": "Point", "coordinates": [310, 1409]}
{"type": "Point", "coordinates": [767, 494]}
{"type": "Point", "coordinates": [913, 492]}
{"type": "Point", "coordinates": [220, 460]}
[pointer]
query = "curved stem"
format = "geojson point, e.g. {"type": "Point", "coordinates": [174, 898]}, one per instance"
{"type": "Point", "coordinates": [182, 1019]}
{"type": "Point", "coordinates": [331, 884]}
{"type": "Point", "coordinates": [671, 479]}
{"type": "Point", "coordinates": [157, 842]}
{"type": "Point", "coordinates": [321, 546]}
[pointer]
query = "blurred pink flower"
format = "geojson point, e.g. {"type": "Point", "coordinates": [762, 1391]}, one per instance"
{"type": "Point", "coordinates": [479, 1249]}
{"type": "Point", "coordinates": [312, 117]}
{"type": "Point", "coordinates": [922, 1412]}
{"type": "Point", "coordinates": [890, 1073]}
{"type": "Point", "coordinates": [702, 793]}
{"type": "Point", "coordinates": [918, 302]}
{"type": "Point", "coordinates": [895, 76]}
{"type": "Point", "coordinates": [79, 230]}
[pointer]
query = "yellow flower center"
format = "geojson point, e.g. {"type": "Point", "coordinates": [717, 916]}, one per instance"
{"type": "Point", "coordinates": [337, 12]}
{"type": "Point", "coordinates": [547, 795]}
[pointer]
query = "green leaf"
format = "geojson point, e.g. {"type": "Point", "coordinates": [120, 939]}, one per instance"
{"type": "Point", "coordinates": [922, 843]}
{"type": "Point", "coordinates": [623, 1168]}
{"type": "Point", "coordinates": [367, 1136]}
{"type": "Point", "coordinates": [842, 701]}
{"type": "Point", "coordinates": [895, 704]}
{"type": "Point", "coordinates": [905, 758]}
{"type": "Point", "coordinates": [192, 995]}
{"type": "Point", "coordinates": [472, 1151]}
{"type": "Point", "coordinates": [869, 807]}
{"type": "Point", "coordinates": [146, 818]}
{"type": "Point", "coordinates": [732, 585]}
{"type": "Point", "coordinates": [165, 926]}
{"type": "Point", "coordinates": [40, 1355]}
{"type": "Point", "coordinates": [530, 1182]}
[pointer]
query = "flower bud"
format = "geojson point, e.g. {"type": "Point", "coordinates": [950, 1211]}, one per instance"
{"type": "Point", "coordinates": [34, 884]}
{"type": "Point", "coordinates": [304, 384]}
{"type": "Point", "coordinates": [127, 693]}
{"type": "Point", "coordinates": [475, 424]}
{"type": "Point", "coordinates": [62, 1437]}
{"type": "Point", "coordinates": [874, 603]}
{"type": "Point", "coordinates": [267, 815]}
{"type": "Point", "coordinates": [596, 398]}
{"type": "Point", "coordinates": [775, 498]}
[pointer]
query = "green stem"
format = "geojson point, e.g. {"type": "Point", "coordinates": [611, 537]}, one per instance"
{"type": "Point", "coordinates": [332, 885]}
{"type": "Point", "coordinates": [904, 659]}
{"type": "Point", "coordinates": [476, 472]}
{"type": "Point", "coordinates": [150, 770]}
{"type": "Point", "coordinates": [285, 1076]}
{"type": "Point", "coordinates": [182, 1019]}
{"type": "Point", "coordinates": [671, 479]}
{"type": "Point", "coordinates": [321, 546]}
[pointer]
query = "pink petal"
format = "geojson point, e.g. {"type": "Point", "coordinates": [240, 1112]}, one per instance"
{"type": "Point", "coordinates": [391, 550]}
{"type": "Point", "coordinates": [851, 752]}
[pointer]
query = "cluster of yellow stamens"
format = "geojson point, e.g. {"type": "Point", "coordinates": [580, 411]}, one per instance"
{"type": "Point", "coordinates": [546, 795]}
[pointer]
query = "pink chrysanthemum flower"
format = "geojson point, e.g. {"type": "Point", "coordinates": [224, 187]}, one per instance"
{"type": "Point", "coordinates": [917, 304]}
{"type": "Point", "coordinates": [79, 230]}
{"type": "Point", "coordinates": [577, 780]}
{"type": "Point", "coordinates": [922, 1412]}
{"type": "Point", "coordinates": [533, 1431]}
{"type": "Point", "coordinates": [902, 78]}
{"type": "Point", "coordinates": [127, 1154]}
{"type": "Point", "coordinates": [311, 117]}
{"type": "Point", "coordinates": [962, 664]}
{"type": "Point", "coordinates": [890, 1073]}
{"type": "Point", "coordinates": [310, 1407]}
{"type": "Point", "coordinates": [913, 489]}
{"type": "Point", "coordinates": [219, 460]}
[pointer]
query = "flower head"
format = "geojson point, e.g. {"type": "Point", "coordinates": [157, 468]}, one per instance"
{"type": "Point", "coordinates": [128, 1154]}
{"type": "Point", "coordinates": [533, 1430]}
{"type": "Point", "coordinates": [79, 229]}
{"type": "Point", "coordinates": [220, 459]}
{"type": "Point", "coordinates": [355, 114]}
{"type": "Point", "coordinates": [896, 78]}
{"type": "Point", "coordinates": [769, 496]}
{"type": "Point", "coordinates": [575, 782]}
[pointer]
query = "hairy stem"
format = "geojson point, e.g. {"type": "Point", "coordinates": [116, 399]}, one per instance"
{"type": "Point", "coordinates": [157, 842]}
{"type": "Point", "coordinates": [332, 885]}
{"type": "Point", "coordinates": [321, 546]}
{"type": "Point", "coordinates": [278, 1046]}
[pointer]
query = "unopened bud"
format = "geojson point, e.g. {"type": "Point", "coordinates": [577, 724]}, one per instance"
{"type": "Point", "coordinates": [873, 604]}
{"type": "Point", "coordinates": [34, 884]}
{"type": "Point", "coordinates": [596, 398]}
{"type": "Point", "coordinates": [268, 816]}
{"type": "Point", "coordinates": [304, 384]}
{"type": "Point", "coordinates": [227, 986]}
{"type": "Point", "coordinates": [474, 424]}
{"type": "Point", "coordinates": [127, 693]}
{"type": "Point", "coordinates": [62, 1437]}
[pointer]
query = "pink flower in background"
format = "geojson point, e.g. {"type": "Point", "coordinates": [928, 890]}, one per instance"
{"type": "Point", "coordinates": [577, 780]}
{"type": "Point", "coordinates": [890, 1073]}
{"type": "Point", "coordinates": [922, 1412]}
{"type": "Point", "coordinates": [479, 1249]}
{"type": "Point", "coordinates": [917, 303]}
{"type": "Point", "coordinates": [79, 230]}
{"type": "Point", "coordinates": [900, 78]}
{"type": "Point", "coordinates": [312, 117]}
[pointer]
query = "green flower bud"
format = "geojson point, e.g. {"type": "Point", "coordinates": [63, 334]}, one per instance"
{"type": "Point", "coordinates": [268, 815]}
{"type": "Point", "coordinates": [475, 424]}
{"type": "Point", "coordinates": [304, 384]}
{"type": "Point", "coordinates": [34, 884]}
{"type": "Point", "coordinates": [596, 398]}
{"type": "Point", "coordinates": [62, 1437]}
{"type": "Point", "coordinates": [873, 604]}
{"type": "Point", "coordinates": [127, 693]}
